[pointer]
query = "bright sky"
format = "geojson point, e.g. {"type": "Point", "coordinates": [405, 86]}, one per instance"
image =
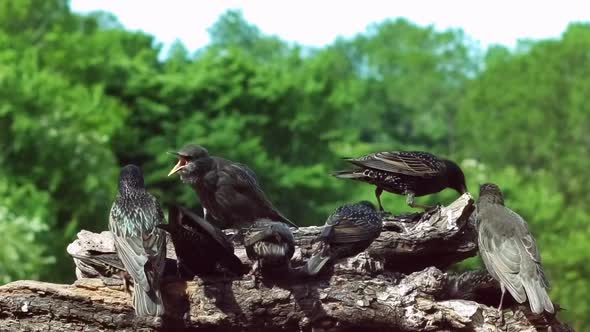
{"type": "Point", "coordinates": [317, 23]}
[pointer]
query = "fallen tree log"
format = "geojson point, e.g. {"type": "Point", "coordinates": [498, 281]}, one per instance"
{"type": "Point", "coordinates": [393, 286]}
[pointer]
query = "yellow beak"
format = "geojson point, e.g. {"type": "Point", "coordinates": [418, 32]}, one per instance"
{"type": "Point", "coordinates": [180, 165]}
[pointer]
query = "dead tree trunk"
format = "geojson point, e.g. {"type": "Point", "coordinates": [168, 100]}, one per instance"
{"type": "Point", "coordinates": [396, 285]}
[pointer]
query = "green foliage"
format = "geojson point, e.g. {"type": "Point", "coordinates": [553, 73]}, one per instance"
{"type": "Point", "coordinates": [26, 216]}
{"type": "Point", "coordinates": [80, 97]}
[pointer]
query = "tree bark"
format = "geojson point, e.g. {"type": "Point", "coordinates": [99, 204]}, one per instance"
{"type": "Point", "coordinates": [395, 285]}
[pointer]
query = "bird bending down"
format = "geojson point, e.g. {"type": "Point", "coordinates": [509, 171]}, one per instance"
{"type": "Point", "coordinates": [348, 231]}
{"type": "Point", "coordinates": [270, 245]}
{"type": "Point", "coordinates": [409, 173]}
{"type": "Point", "coordinates": [200, 246]}
{"type": "Point", "coordinates": [509, 251]}
{"type": "Point", "coordinates": [140, 245]}
{"type": "Point", "coordinates": [228, 191]}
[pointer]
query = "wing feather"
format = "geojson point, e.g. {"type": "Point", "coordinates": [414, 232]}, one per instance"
{"type": "Point", "coordinates": [413, 163]}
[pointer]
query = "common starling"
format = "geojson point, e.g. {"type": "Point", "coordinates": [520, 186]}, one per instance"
{"type": "Point", "coordinates": [410, 173]}
{"type": "Point", "coordinates": [270, 245]}
{"type": "Point", "coordinates": [348, 231]}
{"type": "Point", "coordinates": [141, 246]}
{"type": "Point", "coordinates": [199, 245]}
{"type": "Point", "coordinates": [99, 264]}
{"type": "Point", "coordinates": [228, 191]}
{"type": "Point", "coordinates": [509, 251]}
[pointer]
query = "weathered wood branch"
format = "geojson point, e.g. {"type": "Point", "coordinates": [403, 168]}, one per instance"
{"type": "Point", "coordinates": [368, 291]}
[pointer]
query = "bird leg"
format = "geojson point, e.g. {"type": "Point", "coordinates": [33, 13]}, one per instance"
{"type": "Point", "coordinates": [500, 306]}
{"type": "Point", "coordinates": [378, 192]}
{"type": "Point", "coordinates": [411, 203]}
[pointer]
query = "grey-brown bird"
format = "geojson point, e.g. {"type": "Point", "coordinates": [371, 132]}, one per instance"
{"type": "Point", "coordinates": [270, 245]}
{"type": "Point", "coordinates": [141, 245]}
{"type": "Point", "coordinates": [348, 231]}
{"type": "Point", "coordinates": [228, 191]}
{"type": "Point", "coordinates": [509, 251]}
{"type": "Point", "coordinates": [410, 173]}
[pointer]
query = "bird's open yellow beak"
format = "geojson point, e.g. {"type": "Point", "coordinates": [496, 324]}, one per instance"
{"type": "Point", "coordinates": [180, 165]}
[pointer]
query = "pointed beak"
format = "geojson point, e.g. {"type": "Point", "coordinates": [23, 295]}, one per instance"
{"type": "Point", "coordinates": [180, 165]}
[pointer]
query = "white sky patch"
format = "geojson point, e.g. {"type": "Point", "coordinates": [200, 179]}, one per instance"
{"type": "Point", "coordinates": [317, 23]}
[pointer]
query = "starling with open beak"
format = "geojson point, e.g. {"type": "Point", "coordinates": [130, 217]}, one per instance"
{"type": "Point", "coordinates": [200, 247]}
{"type": "Point", "coordinates": [510, 252]}
{"type": "Point", "coordinates": [270, 245]}
{"type": "Point", "coordinates": [409, 173]}
{"type": "Point", "coordinates": [348, 231]}
{"type": "Point", "coordinates": [228, 191]}
{"type": "Point", "coordinates": [141, 246]}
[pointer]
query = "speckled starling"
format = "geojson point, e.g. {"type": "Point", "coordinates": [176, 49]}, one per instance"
{"type": "Point", "coordinates": [95, 264]}
{"type": "Point", "coordinates": [410, 173]}
{"type": "Point", "coordinates": [348, 231]}
{"type": "Point", "coordinates": [200, 247]}
{"type": "Point", "coordinates": [228, 191]}
{"type": "Point", "coordinates": [141, 246]}
{"type": "Point", "coordinates": [270, 245]}
{"type": "Point", "coordinates": [509, 251]}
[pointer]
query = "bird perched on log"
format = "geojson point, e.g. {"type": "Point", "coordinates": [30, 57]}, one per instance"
{"type": "Point", "coordinates": [94, 264]}
{"type": "Point", "coordinates": [410, 173]}
{"type": "Point", "coordinates": [270, 245]}
{"type": "Point", "coordinates": [348, 231]}
{"type": "Point", "coordinates": [509, 251]}
{"type": "Point", "coordinates": [228, 191]}
{"type": "Point", "coordinates": [200, 247]}
{"type": "Point", "coordinates": [141, 246]}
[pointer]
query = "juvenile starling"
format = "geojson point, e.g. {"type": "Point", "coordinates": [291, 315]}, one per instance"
{"type": "Point", "coordinates": [509, 251]}
{"type": "Point", "coordinates": [228, 191]}
{"type": "Point", "coordinates": [199, 245]}
{"type": "Point", "coordinates": [348, 231]}
{"type": "Point", "coordinates": [269, 244]}
{"type": "Point", "coordinates": [141, 246]}
{"type": "Point", "coordinates": [410, 173]}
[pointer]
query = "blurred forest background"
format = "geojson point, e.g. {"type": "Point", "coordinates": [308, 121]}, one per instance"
{"type": "Point", "coordinates": [80, 96]}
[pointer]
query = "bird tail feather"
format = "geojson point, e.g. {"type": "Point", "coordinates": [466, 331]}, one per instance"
{"type": "Point", "coordinates": [349, 174]}
{"type": "Point", "coordinates": [538, 298]}
{"type": "Point", "coordinates": [148, 303]}
{"type": "Point", "coordinates": [316, 263]}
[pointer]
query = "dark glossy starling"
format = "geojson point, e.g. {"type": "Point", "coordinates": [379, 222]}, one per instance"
{"type": "Point", "coordinates": [348, 231]}
{"type": "Point", "coordinates": [228, 191]}
{"type": "Point", "coordinates": [410, 173]}
{"type": "Point", "coordinates": [141, 246]}
{"type": "Point", "coordinates": [200, 247]}
{"type": "Point", "coordinates": [269, 244]}
{"type": "Point", "coordinates": [509, 251]}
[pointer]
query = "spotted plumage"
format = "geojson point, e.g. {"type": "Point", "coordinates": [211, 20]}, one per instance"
{"type": "Point", "coordinates": [140, 245]}
{"type": "Point", "coordinates": [93, 264]}
{"type": "Point", "coordinates": [510, 252]}
{"type": "Point", "coordinates": [348, 231]}
{"type": "Point", "coordinates": [201, 248]}
{"type": "Point", "coordinates": [410, 173]}
{"type": "Point", "coordinates": [229, 192]}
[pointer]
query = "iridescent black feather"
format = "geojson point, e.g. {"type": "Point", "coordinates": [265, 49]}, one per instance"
{"type": "Point", "coordinates": [348, 231]}
{"type": "Point", "coordinates": [140, 245]}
